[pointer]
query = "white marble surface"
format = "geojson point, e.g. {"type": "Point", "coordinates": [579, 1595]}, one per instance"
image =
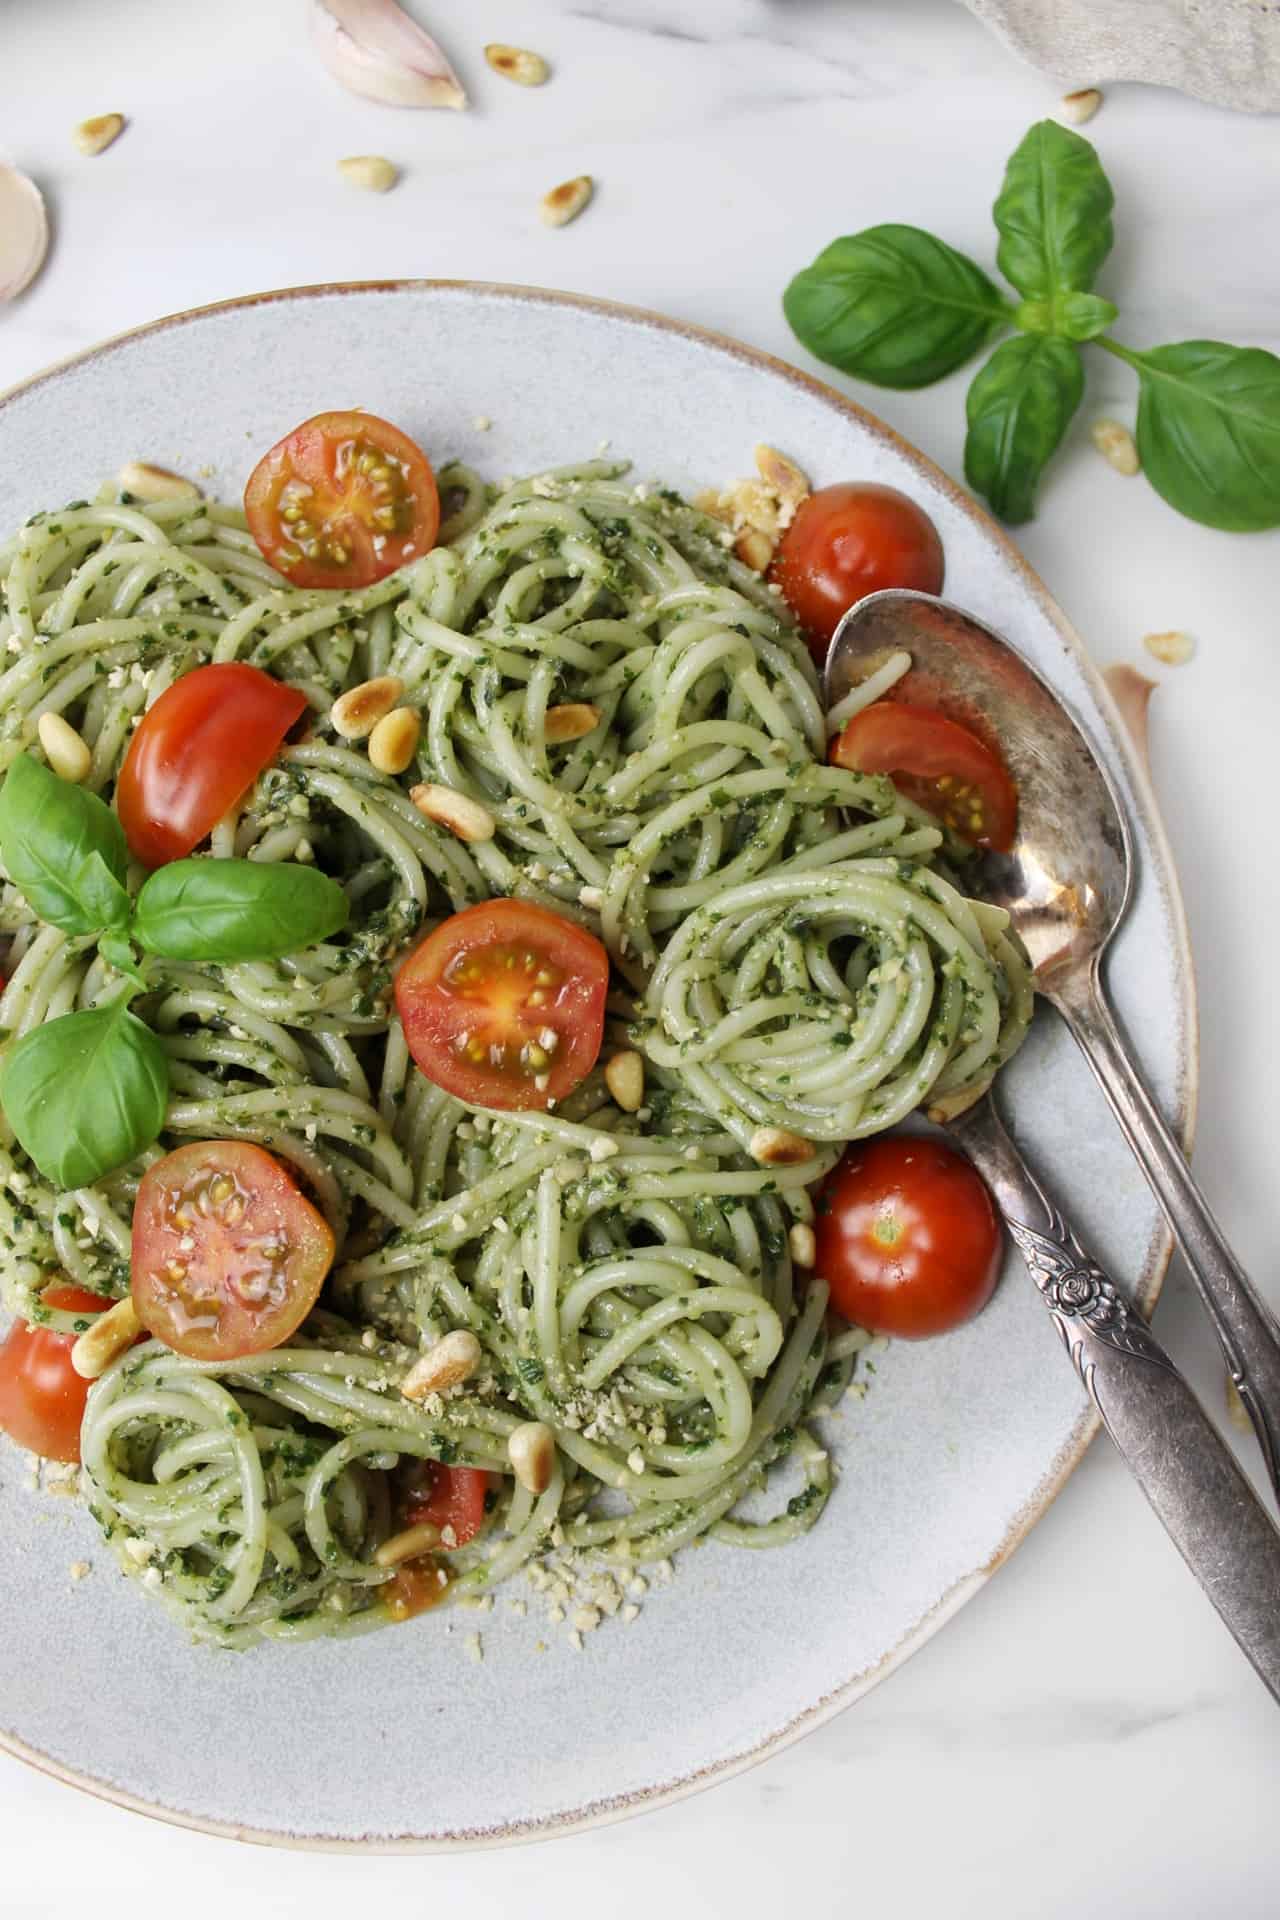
{"type": "Point", "coordinates": [1083, 1739]}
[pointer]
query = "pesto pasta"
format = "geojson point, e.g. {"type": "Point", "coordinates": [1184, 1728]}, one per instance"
{"type": "Point", "coordinates": [791, 950]}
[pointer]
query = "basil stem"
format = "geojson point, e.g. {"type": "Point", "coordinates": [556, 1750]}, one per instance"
{"type": "Point", "coordinates": [1209, 430]}
{"type": "Point", "coordinates": [64, 849]}
{"type": "Point", "coordinates": [893, 305]}
{"type": "Point", "coordinates": [1053, 214]}
{"type": "Point", "coordinates": [229, 910]}
{"type": "Point", "coordinates": [1019, 406]}
{"type": "Point", "coordinates": [85, 1093]}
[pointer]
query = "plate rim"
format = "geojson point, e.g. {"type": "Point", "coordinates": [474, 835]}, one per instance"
{"type": "Point", "coordinates": [613, 1808]}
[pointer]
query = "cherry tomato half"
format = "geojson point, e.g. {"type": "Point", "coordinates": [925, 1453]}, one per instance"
{"type": "Point", "coordinates": [343, 501]}
{"type": "Point", "coordinates": [228, 1255]}
{"type": "Point", "coordinates": [41, 1395]}
{"type": "Point", "coordinates": [937, 763]}
{"type": "Point", "coordinates": [194, 754]}
{"type": "Point", "coordinates": [848, 541]}
{"type": "Point", "coordinates": [503, 1005]}
{"type": "Point", "coordinates": [908, 1237]}
{"type": "Point", "coordinates": [450, 1497]}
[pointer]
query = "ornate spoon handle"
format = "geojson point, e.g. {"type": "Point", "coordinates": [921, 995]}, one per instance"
{"type": "Point", "coordinates": [1172, 1448]}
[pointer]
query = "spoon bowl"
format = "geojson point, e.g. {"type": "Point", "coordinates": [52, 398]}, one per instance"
{"type": "Point", "coordinates": [1066, 883]}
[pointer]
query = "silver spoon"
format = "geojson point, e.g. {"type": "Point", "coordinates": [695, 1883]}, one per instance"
{"type": "Point", "coordinates": [1067, 884]}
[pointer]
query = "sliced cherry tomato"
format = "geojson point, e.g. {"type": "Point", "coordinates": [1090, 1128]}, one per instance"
{"type": "Point", "coordinates": [228, 1255]}
{"type": "Point", "coordinates": [503, 1005]}
{"type": "Point", "coordinates": [414, 1588]}
{"type": "Point", "coordinates": [908, 1237]}
{"type": "Point", "coordinates": [848, 541]}
{"type": "Point", "coordinates": [937, 763]}
{"type": "Point", "coordinates": [194, 754]}
{"type": "Point", "coordinates": [450, 1497]}
{"type": "Point", "coordinates": [41, 1395]}
{"type": "Point", "coordinates": [343, 501]}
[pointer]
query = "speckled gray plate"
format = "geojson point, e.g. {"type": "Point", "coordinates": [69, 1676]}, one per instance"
{"type": "Point", "coordinates": [960, 1444]}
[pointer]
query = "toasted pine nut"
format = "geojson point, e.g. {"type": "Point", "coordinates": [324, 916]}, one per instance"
{"type": "Point", "coordinates": [1076, 108]}
{"type": "Point", "coordinates": [754, 549]}
{"type": "Point", "coordinates": [355, 713]}
{"type": "Point", "coordinates": [570, 722]}
{"type": "Point", "coordinates": [67, 754]}
{"type": "Point", "coordinates": [95, 135]}
{"type": "Point", "coordinates": [394, 740]}
{"type": "Point", "coordinates": [409, 1544]}
{"type": "Point", "coordinates": [531, 1449]}
{"type": "Point", "coordinates": [518, 64]}
{"type": "Point", "coordinates": [1174, 649]}
{"type": "Point", "coordinates": [565, 202]}
{"type": "Point", "coordinates": [370, 171]}
{"type": "Point", "coordinates": [803, 1244]}
{"type": "Point", "coordinates": [624, 1077]}
{"type": "Point", "coordinates": [462, 815]}
{"type": "Point", "coordinates": [782, 476]}
{"type": "Point", "coordinates": [777, 1147]}
{"type": "Point", "coordinates": [451, 1360]}
{"type": "Point", "coordinates": [109, 1335]}
{"type": "Point", "coordinates": [1116, 445]}
{"type": "Point", "coordinates": [146, 482]}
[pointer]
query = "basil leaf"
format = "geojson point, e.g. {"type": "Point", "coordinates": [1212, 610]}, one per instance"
{"type": "Point", "coordinates": [1053, 213]}
{"type": "Point", "coordinates": [1209, 431]}
{"type": "Point", "coordinates": [1076, 316]}
{"type": "Point", "coordinates": [893, 305]}
{"type": "Point", "coordinates": [85, 1092]}
{"type": "Point", "coordinates": [116, 949]}
{"type": "Point", "coordinates": [63, 848]}
{"type": "Point", "coordinates": [1019, 406]}
{"type": "Point", "coordinates": [236, 910]}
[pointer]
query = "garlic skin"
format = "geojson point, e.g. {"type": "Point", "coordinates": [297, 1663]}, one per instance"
{"type": "Point", "coordinates": [374, 49]}
{"type": "Point", "coordinates": [24, 232]}
{"type": "Point", "coordinates": [1132, 693]}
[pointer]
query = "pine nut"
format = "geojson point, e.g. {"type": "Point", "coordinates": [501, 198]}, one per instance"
{"type": "Point", "coordinates": [1076, 108]}
{"type": "Point", "coordinates": [777, 1147]}
{"type": "Point", "coordinates": [67, 754]}
{"type": "Point", "coordinates": [1116, 445]}
{"type": "Point", "coordinates": [146, 482]}
{"type": "Point", "coordinates": [570, 722]}
{"type": "Point", "coordinates": [394, 740]}
{"type": "Point", "coordinates": [95, 135]}
{"type": "Point", "coordinates": [782, 476]}
{"type": "Point", "coordinates": [109, 1335]}
{"type": "Point", "coordinates": [803, 1244]}
{"type": "Point", "coordinates": [451, 1360]}
{"type": "Point", "coordinates": [355, 713]}
{"type": "Point", "coordinates": [624, 1077]}
{"type": "Point", "coordinates": [408, 1545]}
{"type": "Point", "coordinates": [565, 202]}
{"type": "Point", "coordinates": [372, 172]}
{"type": "Point", "coordinates": [531, 1449]}
{"type": "Point", "coordinates": [518, 64]}
{"type": "Point", "coordinates": [462, 815]}
{"type": "Point", "coordinates": [754, 549]}
{"type": "Point", "coordinates": [1174, 649]}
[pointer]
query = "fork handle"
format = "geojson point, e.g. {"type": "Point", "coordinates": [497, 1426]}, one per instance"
{"type": "Point", "coordinates": [1245, 1325]}
{"type": "Point", "coordinates": [1186, 1470]}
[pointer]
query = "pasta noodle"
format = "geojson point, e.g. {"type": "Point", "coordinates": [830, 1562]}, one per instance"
{"type": "Point", "coordinates": [790, 948]}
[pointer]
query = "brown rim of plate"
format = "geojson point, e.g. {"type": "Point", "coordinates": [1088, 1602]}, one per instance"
{"type": "Point", "coordinates": [1155, 1265]}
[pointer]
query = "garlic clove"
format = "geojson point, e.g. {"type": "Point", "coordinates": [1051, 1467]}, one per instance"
{"type": "Point", "coordinates": [375, 49]}
{"type": "Point", "coordinates": [24, 232]}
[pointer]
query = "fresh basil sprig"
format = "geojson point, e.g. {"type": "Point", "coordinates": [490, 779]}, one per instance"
{"type": "Point", "coordinates": [87, 1091]}
{"type": "Point", "coordinates": [236, 910]}
{"type": "Point", "coordinates": [898, 307]}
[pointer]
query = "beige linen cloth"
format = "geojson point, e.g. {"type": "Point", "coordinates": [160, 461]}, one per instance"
{"type": "Point", "coordinates": [1226, 51]}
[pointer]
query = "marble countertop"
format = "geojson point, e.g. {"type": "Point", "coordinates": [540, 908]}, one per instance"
{"type": "Point", "coordinates": [1083, 1739]}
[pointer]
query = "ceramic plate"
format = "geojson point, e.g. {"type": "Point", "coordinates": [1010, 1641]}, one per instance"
{"type": "Point", "coordinates": [958, 1446]}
